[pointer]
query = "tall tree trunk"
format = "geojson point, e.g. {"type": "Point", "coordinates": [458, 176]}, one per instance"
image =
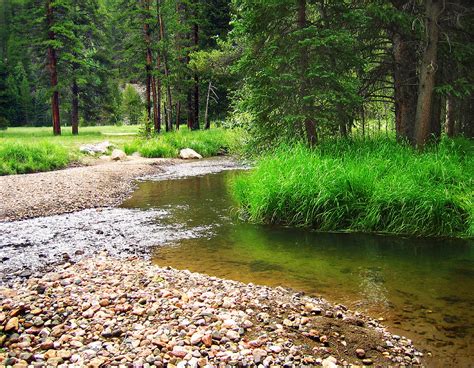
{"type": "Point", "coordinates": [206, 112]}
{"type": "Point", "coordinates": [427, 75]}
{"type": "Point", "coordinates": [148, 64]}
{"type": "Point", "coordinates": [169, 109]}
{"type": "Point", "coordinates": [405, 84]}
{"type": "Point", "coordinates": [53, 71]}
{"type": "Point", "coordinates": [156, 104]}
{"type": "Point", "coordinates": [178, 114]}
{"type": "Point", "coordinates": [450, 116]}
{"type": "Point", "coordinates": [309, 123]}
{"type": "Point", "coordinates": [196, 125]}
{"type": "Point", "coordinates": [75, 107]}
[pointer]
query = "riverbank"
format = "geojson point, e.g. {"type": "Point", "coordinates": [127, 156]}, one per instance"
{"type": "Point", "coordinates": [101, 184]}
{"type": "Point", "coordinates": [103, 311]}
{"type": "Point", "coordinates": [370, 186]}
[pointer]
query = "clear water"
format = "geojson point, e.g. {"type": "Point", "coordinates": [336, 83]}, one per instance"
{"type": "Point", "coordinates": [422, 288]}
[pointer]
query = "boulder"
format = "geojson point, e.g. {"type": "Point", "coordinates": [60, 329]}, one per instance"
{"type": "Point", "coordinates": [93, 149]}
{"type": "Point", "coordinates": [118, 155]}
{"type": "Point", "coordinates": [189, 154]}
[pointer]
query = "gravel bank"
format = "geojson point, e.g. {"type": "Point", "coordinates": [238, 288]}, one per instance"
{"type": "Point", "coordinates": [105, 312]}
{"type": "Point", "coordinates": [103, 184]}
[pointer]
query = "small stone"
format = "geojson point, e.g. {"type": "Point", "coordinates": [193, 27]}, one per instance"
{"type": "Point", "coordinates": [258, 355]}
{"type": "Point", "coordinates": [367, 361]}
{"type": "Point", "coordinates": [179, 352]}
{"type": "Point", "coordinates": [360, 353]}
{"type": "Point", "coordinates": [207, 340]}
{"type": "Point", "coordinates": [12, 324]}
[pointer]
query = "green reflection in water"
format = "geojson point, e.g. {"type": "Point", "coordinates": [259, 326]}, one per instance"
{"type": "Point", "coordinates": [422, 287]}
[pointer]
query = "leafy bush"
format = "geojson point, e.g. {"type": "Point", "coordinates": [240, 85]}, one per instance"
{"type": "Point", "coordinates": [20, 158]}
{"type": "Point", "coordinates": [364, 186]}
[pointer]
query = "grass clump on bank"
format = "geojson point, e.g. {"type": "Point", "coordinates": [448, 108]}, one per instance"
{"type": "Point", "coordinates": [21, 158]}
{"type": "Point", "coordinates": [364, 186]}
{"type": "Point", "coordinates": [208, 143]}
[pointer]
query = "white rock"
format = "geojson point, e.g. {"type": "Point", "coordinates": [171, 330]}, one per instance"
{"type": "Point", "coordinates": [118, 155]}
{"type": "Point", "coordinates": [330, 362]}
{"type": "Point", "coordinates": [189, 154]}
{"type": "Point", "coordinates": [92, 149]}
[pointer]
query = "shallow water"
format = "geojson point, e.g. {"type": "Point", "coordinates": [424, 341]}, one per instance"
{"type": "Point", "coordinates": [422, 288]}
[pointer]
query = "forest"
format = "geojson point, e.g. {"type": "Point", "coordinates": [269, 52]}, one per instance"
{"type": "Point", "coordinates": [284, 70]}
{"type": "Point", "coordinates": [262, 183]}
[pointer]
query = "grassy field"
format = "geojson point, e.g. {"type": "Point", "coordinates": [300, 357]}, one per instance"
{"type": "Point", "coordinates": [208, 143]}
{"type": "Point", "coordinates": [364, 186]}
{"type": "Point", "coordinates": [118, 135]}
{"type": "Point", "coordinates": [26, 150]}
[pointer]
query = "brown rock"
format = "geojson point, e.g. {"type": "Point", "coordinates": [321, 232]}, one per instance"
{"type": "Point", "coordinates": [207, 340]}
{"type": "Point", "coordinates": [360, 353]}
{"type": "Point", "coordinates": [12, 324]}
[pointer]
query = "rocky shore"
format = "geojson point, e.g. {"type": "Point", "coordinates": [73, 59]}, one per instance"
{"type": "Point", "coordinates": [104, 312]}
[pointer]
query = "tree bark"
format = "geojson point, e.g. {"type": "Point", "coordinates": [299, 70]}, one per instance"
{"type": "Point", "coordinates": [309, 123]}
{"type": "Point", "coordinates": [75, 107]}
{"type": "Point", "coordinates": [450, 116]}
{"type": "Point", "coordinates": [53, 71]}
{"type": "Point", "coordinates": [148, 64]}
{"type": "Point", "coordinates": [206, 112]}
{"type": "Point", "coordinates": [405, 84]}
{"type": "Point", "coordinates": [196, 125]}
{"type": "Point", "coordinates": [169, 109]}
{"type": "Point", "coordinates": [427, 75]}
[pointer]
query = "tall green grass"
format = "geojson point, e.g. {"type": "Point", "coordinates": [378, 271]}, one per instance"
{"type": "Point", "coordinates": [364, 186]}
{"type": "Point", "coordinates": [206, 142]}
{"type": "Point", "coordinates": [21, 158]}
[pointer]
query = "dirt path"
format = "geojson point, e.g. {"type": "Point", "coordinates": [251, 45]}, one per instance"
{"type": "Point", "coordinates": [102, 184]}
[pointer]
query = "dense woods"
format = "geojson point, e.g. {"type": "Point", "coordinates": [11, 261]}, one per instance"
{"type": "Point", "coordinates": [283, 69]}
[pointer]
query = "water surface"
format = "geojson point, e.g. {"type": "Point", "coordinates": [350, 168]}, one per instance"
{"type": "Point", "coordinates": [422, 288]}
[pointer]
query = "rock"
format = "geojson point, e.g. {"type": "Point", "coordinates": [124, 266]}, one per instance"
{"type": "Point", "coordinates": [118, 155]}
{"type": "Point", "coordinates": [196, 338]}
{"type": "Point", "coordinates": [360, 353]}
{"type": "Point", "coordinates": [258, 355]}
{"type": "Point", "coordinates": [12, 325]}
{"type": "Point", "coordinates": [207, 340]}
{"type": "Point", "coordinates": [179, 352]}
{"type": "Point", "coordinates": [233, 335]}
{"type": "Point", "coordinates": [189, 154]}
{"type": "Point", "coordinates": [329, 362]}
{"type": "Point", "coordinates": [93, 149]}
{"type": "Point", "coordinates": [367, 361]}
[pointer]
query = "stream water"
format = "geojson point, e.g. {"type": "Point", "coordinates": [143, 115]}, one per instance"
{"type": "Point", "coordinates": [422, 288]}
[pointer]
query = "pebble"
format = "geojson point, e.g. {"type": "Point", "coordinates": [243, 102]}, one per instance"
{"type": "Point", "coordinates": [146, 316]}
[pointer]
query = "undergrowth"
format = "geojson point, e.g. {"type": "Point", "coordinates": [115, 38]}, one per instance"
{"type": "Point", "coordinates": [206, 142]}
{"type": "Point", "coordinates": [364, 186]}
{"type": "Point", "coordinates": [21, 158]}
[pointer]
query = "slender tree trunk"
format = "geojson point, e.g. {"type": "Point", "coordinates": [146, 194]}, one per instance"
{"type": "Point", "coordinates": [309, 123]}
{"type": "Point", "coordinates": [196, 125]}
{"type": "Point", "coordinates": [53, 72]}
{"type": "Point", "coordinates": [424, 108]}
{"type": "Point", "coordinates": [189, 108]}
{"type": "Point", "coordinates": [156, 104]}
{"type": "Point", "coordinates": [206, 112]}
{"type": "Point", "coordinates": [75, 107]}
{"type": "Point", "coordinates": [405, 84]}
{"type": "Point", "coordinates": [178, 114]}
{"type": "Point", "coordinates": [450, 116]}
{"type": "Point", "coordinates": [169, 109]}
{"type": "Point", "coordinates": [148, 64]}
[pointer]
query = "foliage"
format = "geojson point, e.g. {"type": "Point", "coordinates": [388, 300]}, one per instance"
{"type": "Point", "coordinates": [364, 186]}
{"type": "Point", "coordinates": [20, 158]}
{"type": "Point", "coordinates": [131, 105]}
{"type": "Point", "coordinates": [208, 143]}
